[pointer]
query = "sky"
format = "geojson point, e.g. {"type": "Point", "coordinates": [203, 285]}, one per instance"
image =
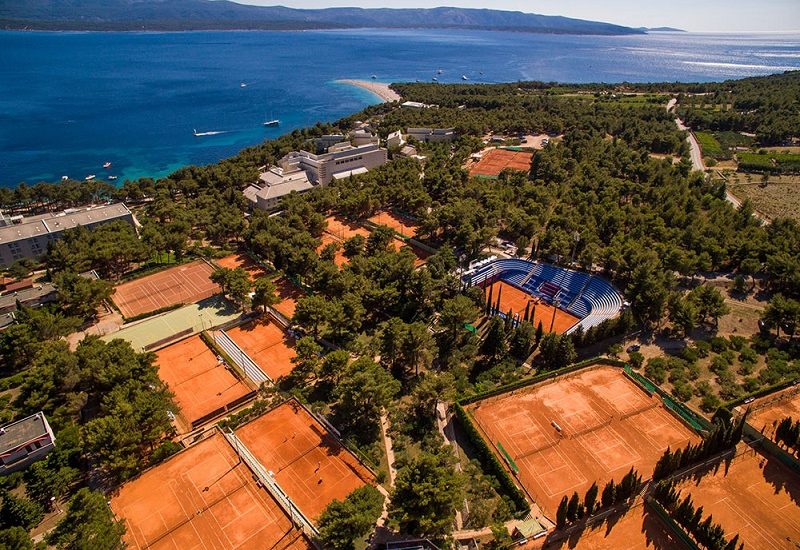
{"type": "Point", "coordinates": [690, 15]}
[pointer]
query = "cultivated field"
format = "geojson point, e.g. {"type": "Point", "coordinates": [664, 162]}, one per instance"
{"type": "Point", "coordinates": [755, 496]}
{"type": "Point", "coordinates": [265, 343]}
{"type": "Point", "coordinates": [181, 284]}
{"type": "Point", "coordinates": [608, 425]}
{"type": "Point", "coordinates": [308, 463]}
{"type": "Point", "coordinates": [203, 498]}
{"type": "Point", "coordinates": [495, 161]}
{"type": "Point", "coordinates": [779, 198]}
{"type": "Point", "coordinates": [514, 299]}
{"type": "Point", "coordinates": [202, 385]}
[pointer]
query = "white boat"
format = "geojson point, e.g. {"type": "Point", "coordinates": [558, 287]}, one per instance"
{"type": "Point", "coordinates": [90, 177]}
{"type": "Point", "coordinates": [464, 77]}
{"type": "Point", "coordinates": [373, 77]}
{"type": "Point", "coordinates": [439, 71]}
{"type": "Point", "coordinates": [112, 177]}
{"type": "Point", "coordinates": [243, 85]}
{"type": "Point", "coordinates": [64, 178]}
{"type": "Point", "coordinates": [272, 123]}
{"type": "Point", "coordinates": [201, 134]}
{"type": "Point", "coordinates": [106, 165]}
{"type": "Point", "coordinates": [435, 79]}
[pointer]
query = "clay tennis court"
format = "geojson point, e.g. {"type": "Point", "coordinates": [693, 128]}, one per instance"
{"type": "Point", "coordinates": [200, 383]}
{"type": "Point", "coordinates": [637, 527]}
{"type": "Point", "coordinates": [183, 284]}
{"type": "Point", "coordinates": [289, 294]}
{"type": "Point", "coordinates": [307, 462]}
{"type": "Point", "coordinates": [245, 262]}
{"type": "Point", "coordinates": [401, 224]}
{"type": "Point", "coordinates": [755, 496]}
{"type": "Point", "coordinates": [608, 425]}
{"type": "Point", "coordinates": [343, 229]}
{"type": "Point", "coordinates": [514, 299]}
{"type": "Point", "coordinates": [495, 161]}
{"type": "Point", "coordinates": [265, 343]}
{"type": "Point", "coordinates": [203, 498]}
{"type": "Point", "coordinates": [765, 413]}
{"type": "Point", "coordinates": [339, 258]}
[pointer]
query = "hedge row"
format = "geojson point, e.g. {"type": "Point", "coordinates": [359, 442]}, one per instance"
{"type": "Point", "coordinates": [760, 393]}
{"type": "Point", "coordinates": [541, 377]}
{"type": "Point", "coordinates": [491, 463]}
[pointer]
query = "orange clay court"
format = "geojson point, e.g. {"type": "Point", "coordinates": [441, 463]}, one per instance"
{"type": "Point", "coordinates": [265, 343]}
{"type": "Point", "coordinates": [514, 299]}
{"type": "Point", "coordinates": [200, 383]}
{"type": "Point", "coordinates": [608, 426]}
{"type": "Point", "coordinates": [203, 498]}
{"type": "Point", "coordinates": [339, 230]}
{"type": "Point", "coordinates": [242, 260]}
{"type": "Point", "coordinates": [309, 464]}
{"type": "Point", "coordinates": [637, 527]}
{"type": "Point", "coordinates": [766, 412]}
{"type": "Point", "coordinates": [289, 293]}
{"type": "Point", "coordinates": [182, 284]}
{"type": "Point", "coordinates": [343, 229]}
{"type": "Point", "coordinates": [401, 224]}
{"type": "Point", "coordinates": [755, 496]}
{"type": "Point", "coordinates": [495, 161]}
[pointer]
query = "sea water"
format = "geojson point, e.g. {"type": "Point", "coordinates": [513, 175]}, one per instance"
{"type": "Point", "coordinates": [71, 101]}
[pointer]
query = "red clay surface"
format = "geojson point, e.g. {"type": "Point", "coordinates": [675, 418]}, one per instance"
{"type": "Point", "coordinates": [203, 498]}
{"type": "Point", "coordinates": [514, 299]}
{"type": "Point", "coordinates": [766, 412]}
{"type": "Point", "coordinates": [200, 383]}
{"type": "Point", "coordinates": [183, 284]}
{"type": "Point", "coordinates": [242, 260]}
{"type": "Point", "coordinates": [637, 528]}
{"type": "Point", "coordinates": [756, 497]}
{"type": "Point", "coordinates": [308, 463]}
{"type": "Point", "coordinates": [265, 343]}
{"type": "Point", "coordinates": [339, 259]}
{"type": "Point", "coordinates": [289, 294]}
{"type": "Point", "coordinates": [495, 161]}
{"type": "Point", "coordinates": [343, 229]}
{"type": "Point", "coordinates": [608, 426]}
{"type": "Point", "coordinates": [402, 225]}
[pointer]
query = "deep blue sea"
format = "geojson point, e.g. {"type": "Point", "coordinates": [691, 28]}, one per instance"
{"type": "Point", "coordinates": [71, 101]}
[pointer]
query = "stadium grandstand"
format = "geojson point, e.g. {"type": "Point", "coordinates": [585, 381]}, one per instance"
{"type": "Point", "coordinates": [588, 297]}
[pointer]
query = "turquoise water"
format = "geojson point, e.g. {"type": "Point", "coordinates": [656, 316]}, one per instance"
{"type": "Point", "coordinates": [71, 101]}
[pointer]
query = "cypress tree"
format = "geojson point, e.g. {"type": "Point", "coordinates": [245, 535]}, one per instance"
{"type": "Point", "coordinates": [539, 329]}
{"type": "Point", "coordinates": [573, 507]}
{"type": "Point", "coordinates": [527, 311]}
{"type": "Point", "coordinates": [561, 514]}
{"type": "Point", "coordinates": [489, 302]}
{"type": "Point", "coordinates": [590, 500]}
{"type": "Point", "coordinates": [608, 496]}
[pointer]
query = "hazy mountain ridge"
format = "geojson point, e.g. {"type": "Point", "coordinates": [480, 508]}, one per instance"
{"type": "Point", "coordinates": [226, 15]}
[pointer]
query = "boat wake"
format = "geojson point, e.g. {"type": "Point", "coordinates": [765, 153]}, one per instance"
{"type": "Point", "coordinates": [212, 133]}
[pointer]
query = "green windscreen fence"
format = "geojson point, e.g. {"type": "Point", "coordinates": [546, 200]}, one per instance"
{"type": "Point", "coordinates": [698, 423]}
{"type": "Point", "coordinates": [508, 458]}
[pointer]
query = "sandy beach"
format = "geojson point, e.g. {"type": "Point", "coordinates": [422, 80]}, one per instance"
{"type": "Point", "coordinates": [380, 89]}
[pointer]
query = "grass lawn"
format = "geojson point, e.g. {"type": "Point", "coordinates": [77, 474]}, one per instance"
{"type": "Point", "coordinates": [710, 145]}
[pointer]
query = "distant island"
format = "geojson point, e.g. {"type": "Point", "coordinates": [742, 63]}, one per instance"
{"type": "Point", "coordinates": [660, 29]}
{"type": "Point", "coordinates": [186, 15]}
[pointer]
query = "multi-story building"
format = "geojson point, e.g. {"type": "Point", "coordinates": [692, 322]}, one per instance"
{"type": "Point", "coordinates": [342, 160]}
{"type": "Point", "coordinates": [24, 442]}
{"type": "Point", "coordinates": [432, 135]}
{"type": "Point", "coordinates": [273, 185]}
{"type": "Point", "coordinates": [28, 237]}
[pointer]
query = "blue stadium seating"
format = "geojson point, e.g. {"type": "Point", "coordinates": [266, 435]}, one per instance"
{"type": "Point", "coordinates": [588, 297]}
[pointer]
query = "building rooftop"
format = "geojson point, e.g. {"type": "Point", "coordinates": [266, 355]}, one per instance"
{"type": "Point", "coordinates": [44, 224]}
{"type": "Point", "coordinates": [22, 431]}
{"type": "Point", "coordinates": [9, 301]}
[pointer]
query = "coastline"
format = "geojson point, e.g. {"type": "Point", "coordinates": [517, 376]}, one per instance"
{"type": "Point", "coordinates": [379, 89]}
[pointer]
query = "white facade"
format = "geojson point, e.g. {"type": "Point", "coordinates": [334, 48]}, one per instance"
{"type": "Point", "coordinates": [340, 158]}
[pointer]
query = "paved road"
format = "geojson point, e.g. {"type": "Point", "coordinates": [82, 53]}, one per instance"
{"type": "Point", "coordinates": [695, 153]}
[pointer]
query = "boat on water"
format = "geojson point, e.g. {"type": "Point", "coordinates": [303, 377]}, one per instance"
{"type": "Point", "coordinates": [439, 71]}
{"type": "Point", "coordinates": [112, 177]}
{"type": "Point", "coordinates": [272, 123]}
{"type": "Point", "coordinates": [373, 77]}
{"type": "Point", "coordinates": [106, 165]}
{"type": "Point", "coordinates": [464, 77]}
{"type": "Point", "coordinates": [201, 134]}
{"type": "Point", "coordinates": [64, 178]}
{"type": "Point", "coordinates": [90, 177]}
{"type": "Point", "coordinates": [435, 79]}
{"type": "Point", "coordinates": [243, 85]}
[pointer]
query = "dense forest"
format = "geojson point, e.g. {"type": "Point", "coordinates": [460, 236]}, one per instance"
{"type": "Point", "coordinates": [614, 194]}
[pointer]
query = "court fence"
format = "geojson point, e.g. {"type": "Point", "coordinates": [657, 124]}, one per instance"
{"type": "Point", "coordinates": [764, 443]}
{"type": "Point", "coordinates": [673, 526]}
{"type": "Point", "coordinates": [297, 517]}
